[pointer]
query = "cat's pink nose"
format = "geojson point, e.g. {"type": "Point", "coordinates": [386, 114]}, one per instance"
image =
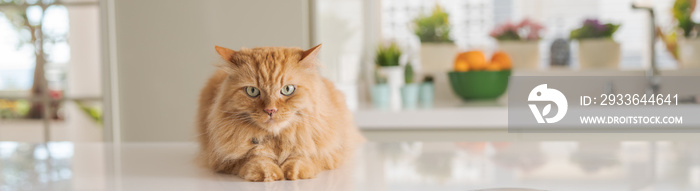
{"type": "Point", "coordinates": [270, 111]}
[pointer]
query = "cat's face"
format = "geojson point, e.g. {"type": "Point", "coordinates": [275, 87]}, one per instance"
{"type": "Point", "coordinates": [267, 87]}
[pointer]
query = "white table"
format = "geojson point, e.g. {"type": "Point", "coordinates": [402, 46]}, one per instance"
{"type": "Point", "coordinates": [545, 165]}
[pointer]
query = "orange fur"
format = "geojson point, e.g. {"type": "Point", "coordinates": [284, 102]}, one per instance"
{"type": "Point", "coordinates": [312, 129]}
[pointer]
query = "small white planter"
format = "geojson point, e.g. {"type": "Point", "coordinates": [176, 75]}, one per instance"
{"type": "Point", "coordinates": [524, 54]}
{"type": "Point", "coordinates": [689, 52]}
{"type": "Point", "coordinates": [394, 76]}
{"type": "Point", "coordinates": [437, 57]}
{"type": "Point", "coordinates": [600, 53]}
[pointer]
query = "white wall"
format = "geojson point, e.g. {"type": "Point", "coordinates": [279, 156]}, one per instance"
{"type": "Point", "coordinates": [165, 52]}
{"type": "Point", "coordinates": [84, 72]}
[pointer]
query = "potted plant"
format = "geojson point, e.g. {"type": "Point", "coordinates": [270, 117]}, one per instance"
{"type": "Point", "coordinates": [437, 49]}
{"type": "Point", "coordinates": [427, 92]}
{"type": "Point", "coordinates": [387, 60]}
{"type": "Point", "coordinates": [688, 43]}
{"type": "Point", "coordinates": [409, 91]}
{"type": "Point", "coordinates": [380, 92]}
{"type": "Point", "coordinates": [596, 48]}
{"type": "Point", "coordinates": [520, 41]}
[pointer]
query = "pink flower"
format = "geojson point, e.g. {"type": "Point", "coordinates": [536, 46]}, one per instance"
{"type": "Point", "coordinates": [525, 29]}
{"type": "Point", "coordinates": [536, 27]}
{"type": "Point", "coordinates": [494, 33]}
{"type": "Point", "coordinates": [509, 26]}
{"type": "Point", "coordinates": [498, 31]}
{"type": "Point", "coordinates": [524, 23]}
{"type": "Point", "coordinates": [55, 94]}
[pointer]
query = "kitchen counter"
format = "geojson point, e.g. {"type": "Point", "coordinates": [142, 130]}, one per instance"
{"type": "Point", "coordinates": [538, 165]}
{"type": "Point", "coordinates": [458, 115]}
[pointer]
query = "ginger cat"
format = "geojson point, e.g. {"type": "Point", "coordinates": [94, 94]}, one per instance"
{"type": "Point", "coordinates": [267, 115]}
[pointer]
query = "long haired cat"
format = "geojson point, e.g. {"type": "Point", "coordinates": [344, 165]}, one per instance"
{"type": "Point", "coordinates": [268, 115]}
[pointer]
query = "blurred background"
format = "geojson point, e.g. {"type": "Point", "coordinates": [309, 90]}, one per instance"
{"type": "Point", "coordinates": [131, 70]}
{"type": "Point", "coordinates": [425, 79]}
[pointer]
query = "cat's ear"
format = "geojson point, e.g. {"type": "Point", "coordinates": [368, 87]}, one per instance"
{"type": "Point", "coordinates": [225, 53]}
{"type": "Point", "coordinates": [308, 57]}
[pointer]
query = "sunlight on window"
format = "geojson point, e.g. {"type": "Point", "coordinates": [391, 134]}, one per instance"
{"type": "Point", "coordinates": [34, 15]}
{"type": "Point", "coordinates": [17, 63]}
{"type": "Point", "coordinates": [56, 28]}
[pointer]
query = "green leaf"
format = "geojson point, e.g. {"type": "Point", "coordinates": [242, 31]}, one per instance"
{"type": "Point", "coordinates": [388, 56]}
{"type": "Point", "coordinates": [434, 27]}
{"type": "Point", "coordinates": [408, 74]}
{"type": "Point", "coordinates": [590, 32]}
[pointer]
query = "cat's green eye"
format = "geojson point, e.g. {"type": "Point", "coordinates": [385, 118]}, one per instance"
{"type": "Point", "coordinates": [252, 91]}
{"type": "Point", "coordinates": [288, 90]}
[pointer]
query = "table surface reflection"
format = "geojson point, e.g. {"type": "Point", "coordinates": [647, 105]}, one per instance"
{"type": "Point", "coordinates": [548, 165]}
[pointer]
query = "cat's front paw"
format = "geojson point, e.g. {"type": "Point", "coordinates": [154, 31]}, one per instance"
{"type": "Point", "coordinates": [261, 171]}
{"type": "Point", "coordinates": [298, 169]}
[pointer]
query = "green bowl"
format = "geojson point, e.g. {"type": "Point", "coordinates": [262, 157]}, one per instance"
{"type": "Point", "coordinates": [473, 85]}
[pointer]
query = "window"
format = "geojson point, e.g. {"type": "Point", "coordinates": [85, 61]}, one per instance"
{"type": "Point", "coordinates": [68, 33]}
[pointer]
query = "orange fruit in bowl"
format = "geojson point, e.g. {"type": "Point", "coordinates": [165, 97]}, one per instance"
{"type": "Point", "coordinates": [506, 66]}
{"type": "Point", "coordinates": [460, 63]}
{"type": "Point", "coordinates": [503, 59]}
{"type": "Point", "coordinates": [476, 59]}
{"type": "Point", "coordinates": [494, 66]}
{"type": "Point", "coordinates": [461, 66]}
{"type": "Point", "coordinates": [461, 56]}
